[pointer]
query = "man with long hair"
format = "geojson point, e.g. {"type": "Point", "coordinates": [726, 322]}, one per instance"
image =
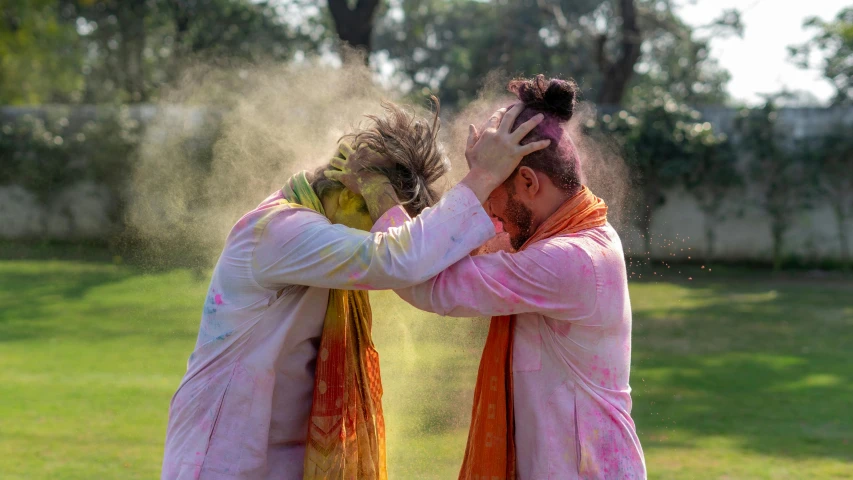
{"type": "Point", "coordinates": [552, 398]}
{"type": "Point", "coordinates": [284, 381]}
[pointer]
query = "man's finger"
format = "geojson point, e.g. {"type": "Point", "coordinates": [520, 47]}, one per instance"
{"type": "Point", "coordinates": [485, 124]}
{"type": "Point", "coordinates": [509, 119]}
{"type": "Point", "coordinates": [533, 147]}
{"type": "Point", "coordinates": [472, 137]}
{"type": "Point", "coordinates": [495, 120]}
{"type": "Point", "coordinates": [526, 128]}
{"type": "Point", "coordinates": [338, 163]}
{"type": "Point", "coordinates": [345, 149]}
{"type": "Point", "coordinates": [334, 175]}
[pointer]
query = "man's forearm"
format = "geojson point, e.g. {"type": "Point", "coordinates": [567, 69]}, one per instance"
{"type": "Point", "coordinates": [482, 183]}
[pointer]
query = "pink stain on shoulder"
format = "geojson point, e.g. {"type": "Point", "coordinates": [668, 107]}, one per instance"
{"type": "Point", "coordinates": [218, 299]}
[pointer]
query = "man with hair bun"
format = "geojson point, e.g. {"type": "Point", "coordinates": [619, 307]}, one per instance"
{"type": "Point", "coordinates": [552, 399]}
{"type": "Point", "coordinates": [284, 382]}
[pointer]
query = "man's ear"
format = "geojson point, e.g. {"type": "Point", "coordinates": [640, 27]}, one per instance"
{"type": "Point", "coordinates": [529, 181]}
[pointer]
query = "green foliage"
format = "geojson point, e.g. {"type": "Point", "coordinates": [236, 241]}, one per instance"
{"type": "Point", "coordinates": [107, 51]}
{"type": "Point", "coordinates": [246, 30]}
{"type": "Point", "coordinates": [829, 160]}
{"type": "Point", "coordinates": [666, 144]}
{"type": "Point", "coordinates": [834, 42]}
{"type": "Point", "coordinates": [44, 155]}
{"type": "Point", "coordinates": [682, 66]}
{"type": "Point", "coordinates": [39, 54]}
{"type": "Point", "coordinates": [449, 47]}
{"type": "Point", "coordinates": [711, 179]}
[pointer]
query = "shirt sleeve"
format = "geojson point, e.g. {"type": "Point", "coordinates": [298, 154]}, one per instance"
{"type": "Point", "coordinates": [556, 279]}
{"type": "Point", "coordinates": [301, 247]}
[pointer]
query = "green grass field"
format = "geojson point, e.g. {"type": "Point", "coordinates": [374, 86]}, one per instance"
{"type": "Point", "coordinates": [737, 373]}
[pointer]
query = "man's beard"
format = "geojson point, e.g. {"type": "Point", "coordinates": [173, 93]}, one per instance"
{"type": "Point", "coordinates": [521, 217]}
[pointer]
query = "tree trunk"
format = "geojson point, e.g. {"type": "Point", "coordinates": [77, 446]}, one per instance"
{"type": "Point", "coordinates": [842, 236]}
{"type": "Point", "coordinates": [778, 232]}
{"type": "Point", "coordinates": [131, 18]}
{"type": "Point", "coordinates": [709, 239]}
{"type": "Point", "coordinates": [182, 15]}
{"type": "Point", "coordinates": [354, 27]}
{"type": "Point", "coordinates": [616, 75]}
{"type": "Point", "coordinates": [645, 224]}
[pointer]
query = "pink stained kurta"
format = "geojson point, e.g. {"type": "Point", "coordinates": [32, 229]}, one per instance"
{"type": "Point", "coordinates": [241, 411]}
{"type": "Point", "coordinates": [572, 348]}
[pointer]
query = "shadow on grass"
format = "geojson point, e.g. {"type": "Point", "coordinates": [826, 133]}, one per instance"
{"type": "Point", "coordinates": [761, 360]}
{"type": "Point", "coordinates": [52, 299]}
{"type": "Point", "coordinates": [35, 294]}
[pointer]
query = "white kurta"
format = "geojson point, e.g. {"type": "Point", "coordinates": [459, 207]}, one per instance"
{"type": "Point", "coordinates": [242, 408]}
{"type": "Point", "coordinates": [572, 348]}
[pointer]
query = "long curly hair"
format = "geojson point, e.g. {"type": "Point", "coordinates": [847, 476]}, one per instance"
{"type": "Point", "coordinates": [410, 144]}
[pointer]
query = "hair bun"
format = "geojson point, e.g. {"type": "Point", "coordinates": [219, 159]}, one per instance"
{"type": "Point", "coordinates": [554, 96]}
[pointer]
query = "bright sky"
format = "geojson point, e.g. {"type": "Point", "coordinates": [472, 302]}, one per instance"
{"type": "Point", "coordinates": [758, 62]}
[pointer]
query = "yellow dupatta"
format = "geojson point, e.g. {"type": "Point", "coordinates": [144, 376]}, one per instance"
{"type": "Point", "coordinates": [346, 430]}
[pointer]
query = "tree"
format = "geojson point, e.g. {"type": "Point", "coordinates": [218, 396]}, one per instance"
{"type": "Point", "coordinates": [712, 176]}
{"type": "Point", "coordinates": [133, 47]}
{"type": "Point", "coordinates": [355, 25]}
{"type": "Point", "coordinates": [611, 47]}
{"type": "Point", "coordinates": [783, 189]}
{"type": "Point", "coordinates": [248, 30]}
{"type": "Point", "coordinates": [834, 41]}
{"type": "Point", "coordinates": [640, 44]}
{"type": "Point", "coordinates": [617, 72]}
{"type": "Point", "coordinates": [114, 36]}
{"type": "Point", "coordinates": [677, 59]}
{"type": "Point", "coordinates": [450, 46]}
{"type": "Point", "coordinates": [831, 160]}
{"type": "Point", "coordinates": [665, 143]}
{"type": "Point", "coordinates": [39, 54]}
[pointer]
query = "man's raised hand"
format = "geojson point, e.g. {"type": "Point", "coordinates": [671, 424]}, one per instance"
{"type": "Point", "coordinates": [351, 170]}
{"type": "Point", "coordinates": [495, 152]}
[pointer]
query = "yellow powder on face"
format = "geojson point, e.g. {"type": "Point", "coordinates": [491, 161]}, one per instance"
{"type": "Point", "coordinates": [268, 122]}
{"type": "Point", "coordinates": [352, 212]}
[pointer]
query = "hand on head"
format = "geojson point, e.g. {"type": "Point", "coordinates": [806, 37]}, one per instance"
{"type": "Point", "coordinates": [352, 170]}
{"type": "Point", "coordinates": [494, 151]}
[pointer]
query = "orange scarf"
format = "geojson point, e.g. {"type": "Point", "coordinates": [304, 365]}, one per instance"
{"type": "Point", "coordinates": [346, 430]}
{"type": "Point", "coordinates": [490, 452]}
